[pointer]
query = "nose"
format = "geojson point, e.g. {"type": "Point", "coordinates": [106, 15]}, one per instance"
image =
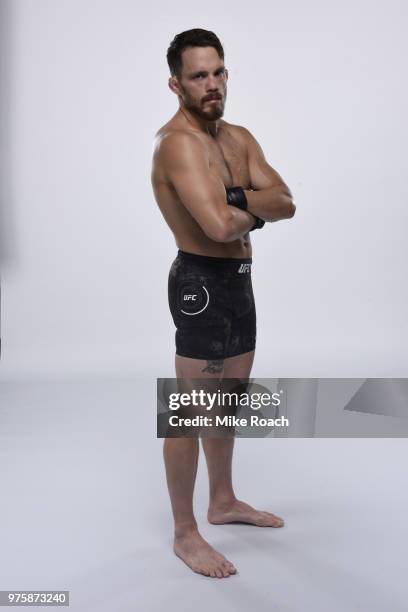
{"type": "Point", "coordinates": [212, 85]}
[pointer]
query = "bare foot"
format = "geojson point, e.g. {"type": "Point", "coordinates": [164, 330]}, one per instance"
{"type": "Point", "coordinates": [243, 513]}
{"type": "Point", "coordinates": [201, 557]}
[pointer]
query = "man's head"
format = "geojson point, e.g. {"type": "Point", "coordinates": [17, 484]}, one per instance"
{"type": "Point", "coordinates": [198, 74]}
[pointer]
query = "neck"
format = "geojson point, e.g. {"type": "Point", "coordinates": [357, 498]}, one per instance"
{"type": "Point", "coordinates": [209, 126]}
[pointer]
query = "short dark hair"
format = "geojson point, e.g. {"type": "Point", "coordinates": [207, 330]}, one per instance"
{"type": "Point", "coordinates": [190, 38]}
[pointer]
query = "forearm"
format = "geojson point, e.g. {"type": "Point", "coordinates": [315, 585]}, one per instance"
{"type": "Point", "coordinates": [271, 204]}
{"type": "Point", "coordinates": [236, 223]}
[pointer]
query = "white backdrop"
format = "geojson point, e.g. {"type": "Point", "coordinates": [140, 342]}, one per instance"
{"type": "Point", "coordinates": [85, 252]}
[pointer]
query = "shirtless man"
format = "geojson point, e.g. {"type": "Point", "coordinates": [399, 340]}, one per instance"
{"type": "Point", "coordinates": [199, 161]}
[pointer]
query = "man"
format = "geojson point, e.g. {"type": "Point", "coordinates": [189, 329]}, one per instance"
{"type": "Point", "coordinates": [213, 186]}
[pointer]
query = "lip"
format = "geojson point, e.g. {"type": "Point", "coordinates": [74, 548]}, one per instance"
{"type": "Point", "coordinates": [214, 100]}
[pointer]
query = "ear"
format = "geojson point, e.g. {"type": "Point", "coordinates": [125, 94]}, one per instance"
{"type": "Point", "coordinates": [173, 85]}
{"type": "Point", "coordinates": [226, 74]}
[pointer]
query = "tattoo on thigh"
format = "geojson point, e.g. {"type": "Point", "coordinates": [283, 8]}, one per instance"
{"type": "Point", "coordinates": [214, 366]}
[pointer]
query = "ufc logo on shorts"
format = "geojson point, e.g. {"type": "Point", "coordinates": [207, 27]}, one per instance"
{"type": "Point", "coordinates": [190, 298]}
{"type": "Point", "coordinates": [243, 268]}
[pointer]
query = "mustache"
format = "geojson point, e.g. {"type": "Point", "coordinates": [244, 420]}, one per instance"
{"type": "Point", "coordinates": [213, 97]}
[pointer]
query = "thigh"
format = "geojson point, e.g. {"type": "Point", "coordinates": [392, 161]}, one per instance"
{"type": "Point", "coordinates": [200, 306]}
{"type": "Point", "coordinates": [239, 366]}
{"type": "Point", "coordinates": [242, 340]}
{"type": "Point", "coordinates": [232, 367]}
{"type": "Point", "coordinates": [186, 367]}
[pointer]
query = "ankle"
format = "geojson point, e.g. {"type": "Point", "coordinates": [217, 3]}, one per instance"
{"type": "Point", "coordinates": [222, 500]}
{"type": "Point", "coordinates": [181, 530]}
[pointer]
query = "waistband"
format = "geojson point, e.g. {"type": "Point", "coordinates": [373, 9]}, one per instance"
{"type": "Point", "coordinates": [217, 262]}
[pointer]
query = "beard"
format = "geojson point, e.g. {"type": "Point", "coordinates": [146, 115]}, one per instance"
{"type": "Point", "coordinates": [208, 112]}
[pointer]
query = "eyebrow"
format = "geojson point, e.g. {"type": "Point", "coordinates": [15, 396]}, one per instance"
{"type": "Point", "coordinates": [205, 72]}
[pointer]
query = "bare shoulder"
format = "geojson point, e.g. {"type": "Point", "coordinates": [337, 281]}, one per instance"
{"type": "Point", "coordinates": [174, 141]}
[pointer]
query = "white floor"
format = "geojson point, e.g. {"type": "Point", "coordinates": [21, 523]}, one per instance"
{"type": "Point", "coordinates": [84, 507]}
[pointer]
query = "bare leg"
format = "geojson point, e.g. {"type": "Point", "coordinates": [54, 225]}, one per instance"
{"type": "Point", "coordinates": [181, 459]}
{"type": "Point", "coordinates": [224, 507]}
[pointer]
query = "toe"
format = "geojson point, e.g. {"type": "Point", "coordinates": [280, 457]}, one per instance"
{"type": "Point", "coordinates": [266, 519]}
{"type": "Point", "coordinates": [277, 520]}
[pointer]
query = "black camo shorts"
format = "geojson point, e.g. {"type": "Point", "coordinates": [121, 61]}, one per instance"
{"type": "Point", "coordinates": [212, 305]}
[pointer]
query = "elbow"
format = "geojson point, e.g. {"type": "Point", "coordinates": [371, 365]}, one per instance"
{"type": "Point", "coordinates": [291, 210]}
{"type": "Point", "coordinates": [290, 207]}
{"type": "Point", "coordinates": [220, 230]}
{"type": "Point", "coordinates": [219, 234]}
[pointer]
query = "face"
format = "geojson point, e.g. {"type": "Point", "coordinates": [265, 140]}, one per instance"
{"type": "Point", "coordinates": [203, 77]}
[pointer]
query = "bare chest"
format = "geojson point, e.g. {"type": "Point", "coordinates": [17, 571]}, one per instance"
{"type": "Point", "coordinates": [228, 159]}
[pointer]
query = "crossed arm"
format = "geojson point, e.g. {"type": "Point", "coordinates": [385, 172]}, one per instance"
{"type": "Point", "coordinates": [271, 199]}
{"type": "Point", "coordinates": [202, 192]}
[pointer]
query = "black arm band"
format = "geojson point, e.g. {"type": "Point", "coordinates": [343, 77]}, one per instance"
{"type": "Point", "coordinates": [258, 224]}
{"type": "Point", "coordinates": [236, 197]}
